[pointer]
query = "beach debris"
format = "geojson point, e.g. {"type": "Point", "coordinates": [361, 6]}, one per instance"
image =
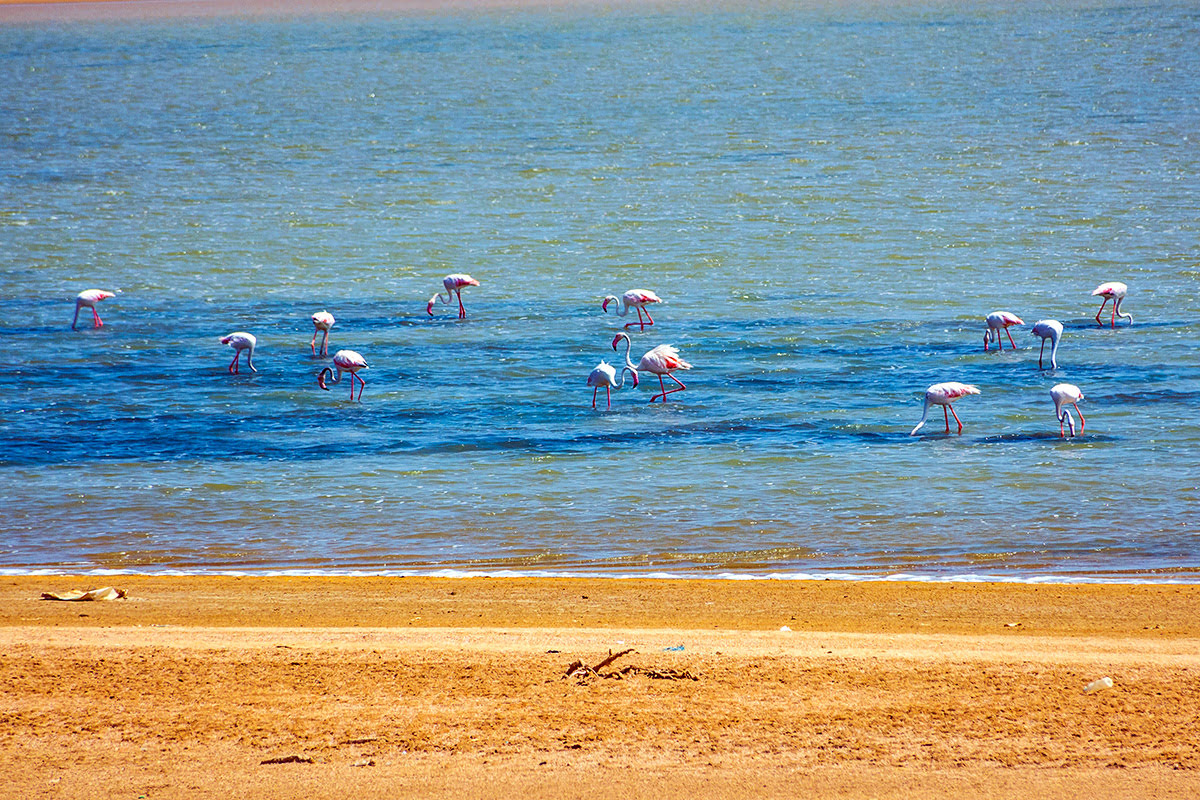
{"type": "Point", "coordinates": [1098, 684]}
{"type": "Point", "coordinates": [362, 740]}
{"type": "Point", "coordinates": [676, 649]}
{"type": "Point", "coordinates": [785, 629]}
{"type": "Point", "coordinates": [105, 593]}
{"type": "Point", "coordinates": [366, 762]}
{"type": "Point", "coordinates": [582, 672]}
{"type": "Point", "coordinates": [293, 759]}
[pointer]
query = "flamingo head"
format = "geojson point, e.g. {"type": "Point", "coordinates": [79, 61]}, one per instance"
{"type": "Point", "coordinates": [321, 378]}
{"type": "Point", "coordinates": [429, 308]}
{"type": "Point", "coordinates": [618, 338]}
{"type": "Point", "coordinates": [633, 372]}
{"type": "Point", "coordinates": [604, 305]}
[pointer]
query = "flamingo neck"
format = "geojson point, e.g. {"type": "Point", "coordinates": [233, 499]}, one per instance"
{"type": "Point", "coordinates": [924, 417]}
{"type": "Point", "coordinates": [622, 308]}
{"type": "Point", "coordinates": [628, 362]}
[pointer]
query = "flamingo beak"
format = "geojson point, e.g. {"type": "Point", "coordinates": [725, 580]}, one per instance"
{"type": "Point", "coordinates": [614, 342]}
{"type": "Point", "coordinates": [321, 381]}
{"type": "Point", "coordinates": [429, 309]}
{"type": "Point", "coordinates": [604, 305]}
{"type": "Point", "coordinates": [635, 380]}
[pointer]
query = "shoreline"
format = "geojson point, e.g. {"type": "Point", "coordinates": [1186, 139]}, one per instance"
{"type": "Point", "coordinates": [283, 687]}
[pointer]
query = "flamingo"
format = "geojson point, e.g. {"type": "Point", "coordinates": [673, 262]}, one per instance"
{"type": "Point", "coordinates": [662, 360]}
{"type": "Point", "coordinates": [943, 394]}
{"type": "Point", "coordinates": [322, 322]}
{"type": "Point", "coordinates": [1048, 329]}
{"type": "Point", "coordinates": [604, 375]}
{"type": "Point", "coordinates": [88, 299]}
{"type": "Point", "coordinates": [634, 298]}
{"type": "Point", "coordinates": [1062, 394]}
{"type": "Point", "coordinates": [1115, 291]}
{"type": "Point", "coordinates": [239, 341]}
{"type": "Point", "coordinates": [345, 361]}
{"type": "Point", "coordinates": [998, 321]}
{"type": "Point", "coordinates": [454, 285]}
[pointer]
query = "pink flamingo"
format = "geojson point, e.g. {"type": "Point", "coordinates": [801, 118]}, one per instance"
{"type": "Point", "coordinates": [1115, 291]}
{"type": "Point", "coordinates": [345, 361]}
{"type": "Point", "coordinates": [943, 394]}
{"type": "Point", "coordinates": [1062, 394]}
{"type": "Point", "coordinates": [322, 322]}
{"type": "Point", "coordinates": [662, 360]}
{"type": "Point", "coordinates": [88, 299]}
{"type": "Point", "coordinates": [634, 298]}
{"type": "Point", "coordinates": [1048, 329]}
{"type": "Point", "coordinates": [604, 375]}
{"type": "Point", "coordinates": [454, 285]}
{"type": "Point", "coordinates": [239, 341]}
{"type": "Point", "coordinates": [1000, 321]}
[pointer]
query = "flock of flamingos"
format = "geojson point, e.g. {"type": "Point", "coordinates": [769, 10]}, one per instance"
{"type": "Point", "coordinates": [664, 360]}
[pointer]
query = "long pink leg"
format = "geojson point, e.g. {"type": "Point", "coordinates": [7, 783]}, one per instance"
{"type": "Point", "coordinates": [1062, 434]}
{"type": "Point", "coordinates": [608, 395]}
{"type": "Point", "coordinates": [462, 312]}
{"type": "Point", "coordinates": [1082, 422]}
{"type": "Point", "coordinates": [947, 416]}
{"type": "Point", "coordinates": [96, 323]}
{"type": "Point", "coordinates": [595, 391]}
{"type": "Point", "coordinates": [664, 391]}
{"type": "Point", "coordinates": [233, 365]}
{"type": "Point", "coordinates": [956, 419]}
{"type": "Point", "coordinates": [1010, 341]}
{"type": "Point", "coordinates": [325, 344]}
{"type": "Point", "coordinates": [1114, 316]}
{"type": "Point", "coordinates": [642, 325]}
{"type": "Point", "coordinates": [649, 319]}
{"type": "Point", "coordinates": [1101, 311]}
{"type": "Point", "coordinates": [314, 343]}
{"type": "Point", "coordinates": [1040, 353]}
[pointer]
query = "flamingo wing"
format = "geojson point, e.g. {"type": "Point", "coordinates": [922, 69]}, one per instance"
{"type": "Point", "coordinates": [641, 297]}
{"type": "Point", "coordinates": [663, 359]}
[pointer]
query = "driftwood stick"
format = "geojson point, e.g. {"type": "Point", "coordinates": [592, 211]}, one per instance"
{"type": "Point", "coordinates": [611, 658]}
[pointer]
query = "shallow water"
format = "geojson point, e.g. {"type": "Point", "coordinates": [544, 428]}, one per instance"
{"type": "Point", "coordinates": [829, 201]}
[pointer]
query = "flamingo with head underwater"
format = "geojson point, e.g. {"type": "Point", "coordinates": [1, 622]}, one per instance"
{"type": "Point", "coordinates": [1048, 329]}
{"type": "Point", "coordinates": [1062, 394]}
{"type": "Point", "coordinates": [661, 361]}
{"type": "Point", "coordinates": [1115, 291]}
{"type": "Point", "coordinates": [944, 394]}
{"type": "Point", "coordinates": [454, 284]}
{"type": "Point", "coordinates": [88, 299]}
{"type": "Point", "coordinates": [998, 321]}
{"type": "Point", "coordinates": [322, 322]}
{"type": "Point", "coordinates": [239, 341]}
{"type": "Point", "coordinates": [634, 298]}
{"type": "Point", "coordinates": [605, 375]}
{"type": "Point", "coordinates": [345, 361]}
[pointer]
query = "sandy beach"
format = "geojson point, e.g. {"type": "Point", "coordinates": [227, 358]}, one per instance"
{"type": "Point", "coordinates": [415, 687]}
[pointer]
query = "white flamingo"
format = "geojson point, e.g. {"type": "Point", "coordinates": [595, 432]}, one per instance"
{"type": "Point", "coordinates": [1062, 394]}
{"type": "Point", "coordinates": [454, 285]}
{"type": "Point", "coordinates": [634, 298]}
{"type": "Point", "coordinates": [998, 321]}
{"type": "Point", "coordinates": [605, 375]}
{"type": "Point", "coordinates": [1048, 329]}
{"type": "Point", "coordinates": [944, 394]}
{"type": "Point", "coordinates": [239, 341]}
{"type": "Point", "coordinates": [660, 361]}
{"type": "Point", "coordinates": [345, 361]}
{"type": "Point", "coordinates": [88, 299]}
{"type": "Point", "coordinates": [322, 322]}
{"type": "Point", "coordinates": [1115, 291]}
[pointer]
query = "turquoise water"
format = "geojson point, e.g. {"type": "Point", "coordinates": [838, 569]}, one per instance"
{"type": "Point", "coordinates": [829, 201]}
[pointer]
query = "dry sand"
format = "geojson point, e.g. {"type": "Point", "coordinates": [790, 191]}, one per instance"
{"type": "Point", "coordinates": [415, 687]}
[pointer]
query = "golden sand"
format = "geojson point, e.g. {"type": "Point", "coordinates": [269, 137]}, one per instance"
{"type": "Point", "coordinates": [413, 687]}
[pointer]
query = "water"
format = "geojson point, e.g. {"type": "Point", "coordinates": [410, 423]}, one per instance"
{"type": "Point", "coordinates": [830, 200]}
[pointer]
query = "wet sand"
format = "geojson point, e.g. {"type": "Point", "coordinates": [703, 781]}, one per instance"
{"type": "Point", "coordinates": [421, 687]}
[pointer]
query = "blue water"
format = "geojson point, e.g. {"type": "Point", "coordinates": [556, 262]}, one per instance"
{"type": "Point", "coordinates": [829, 200]}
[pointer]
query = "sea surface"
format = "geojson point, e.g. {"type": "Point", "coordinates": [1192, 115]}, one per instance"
{"type": "Point", "coordinates": [828, 197]}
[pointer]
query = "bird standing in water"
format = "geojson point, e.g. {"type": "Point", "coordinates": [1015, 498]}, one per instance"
{"type": "Point", "coordinates": [454, 285]}
{"type": "Point", "coordinates": [605, 375]}
{"type": "Point", "coordinates": [88, 299]}
{"type": "Point", "coordinates": [1115, 291]}
{"type": "Point", "coordinates": [1062, 394]}
{"type": "Point", "coordinates": [944, 394]}
{"type": "Point", "coordinates": [345, 361]}
{"type": "Point", "coordinates": [239, 341]}
{"type": "Point", "coordinates": [322, 322]}
{"type": "Point", "coordinates": [998, 321]}
{"type": "Point", "coordinates": [1048, 329]}
{"type": "Point", "coordinates": [661, 361]}
{"type": "Point", "coordinates": [634, 298]}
